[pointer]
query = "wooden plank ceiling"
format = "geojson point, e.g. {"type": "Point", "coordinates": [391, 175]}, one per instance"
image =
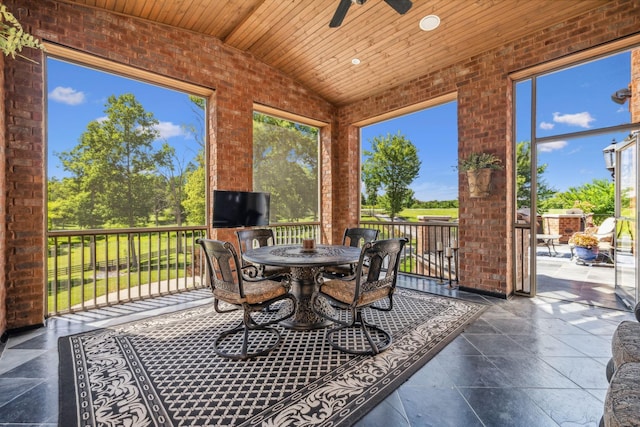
{"type": "Point", "coordinates": [294, 35]}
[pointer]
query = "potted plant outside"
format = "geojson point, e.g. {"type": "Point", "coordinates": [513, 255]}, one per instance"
{"type": "Point", "coordinates": [479, 167]}
{"type": "Point", "coordinates": [585, 246]}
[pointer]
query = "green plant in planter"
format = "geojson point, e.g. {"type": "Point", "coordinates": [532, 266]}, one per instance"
{"type": "Point", "coordinates": [478, 167]}
{"type": "Point", "coordinates": [584, 239]}
{"type": "Point", "coordinates": [477, 161]}
{"type": "Point", "coordinates": [13, 37]}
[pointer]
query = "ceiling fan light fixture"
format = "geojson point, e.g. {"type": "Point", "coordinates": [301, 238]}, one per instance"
{"type": "Point", "coordinates": [429, 22]}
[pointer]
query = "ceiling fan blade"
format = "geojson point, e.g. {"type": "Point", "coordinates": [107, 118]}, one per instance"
{"type": "Point", "coordinates": [400, 6]}
{"type": "Point", "coordinates": [341, 12]}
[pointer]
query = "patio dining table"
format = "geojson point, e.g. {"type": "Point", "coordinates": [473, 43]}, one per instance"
{"type": "Point", "coordinates": [548, 241]}
{"type": "Point", "coordinates": [304, 265]}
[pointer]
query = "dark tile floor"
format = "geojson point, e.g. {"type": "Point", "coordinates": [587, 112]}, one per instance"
{"type": "Point", "coordinates": [561, 277]}
{"type": "Point", "coordinates": [525, 362]}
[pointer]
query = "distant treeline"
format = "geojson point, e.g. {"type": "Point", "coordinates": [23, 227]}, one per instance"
{"type": "Point", "coordinates": [435, 204]}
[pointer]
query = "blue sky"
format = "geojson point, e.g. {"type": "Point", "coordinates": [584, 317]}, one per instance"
{"type": "Point", "coordinates": [78, 95]}
{"type": "Point", "coordinates": [576, 99]}
{"type": "Point", "coordinates": [573, 100]}
{"type": "Point", "coordinates": [434, 132]}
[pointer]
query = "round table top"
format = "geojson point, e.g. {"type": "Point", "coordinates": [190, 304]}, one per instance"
{"type": "Point", "coordinates": [295, 256]}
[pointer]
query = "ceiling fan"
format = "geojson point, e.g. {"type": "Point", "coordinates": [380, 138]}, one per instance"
{"type": "Point", "coordinates": [400, 6]}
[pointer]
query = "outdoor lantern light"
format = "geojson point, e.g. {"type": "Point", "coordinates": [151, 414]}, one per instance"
{"type": "Point", "coordinates": [609, 153]}
{"type": "Point", "coordinates": [620, 96]}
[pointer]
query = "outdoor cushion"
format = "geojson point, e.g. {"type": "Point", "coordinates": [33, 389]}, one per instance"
{"type": "Point", "coordinates": [622, 402]}
{"type": "Point", "coordinates": [625, 344]}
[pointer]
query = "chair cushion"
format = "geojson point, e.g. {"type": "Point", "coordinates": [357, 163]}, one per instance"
{"type": "Point", "coordinates": [622, 402]}
{"type": "Point", "coordinates": [255, 292]}
{"type": "Point", "coordinates": [344, 291]}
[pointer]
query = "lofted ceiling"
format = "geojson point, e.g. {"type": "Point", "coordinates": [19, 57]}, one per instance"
{"type": "Point", "coordinates": [294, 35]}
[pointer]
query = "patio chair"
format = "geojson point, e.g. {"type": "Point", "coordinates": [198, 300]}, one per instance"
{"type": "Point", "coordinates": [605, 231]}
{"type": "Point", "coordinates": [254, 296]}
{"type": "Point", "coordinates": [258, 237]}
{"type": "Point", "coordinates": [367, 289]}
{"type": "Point", "coordinates": [354, 237]}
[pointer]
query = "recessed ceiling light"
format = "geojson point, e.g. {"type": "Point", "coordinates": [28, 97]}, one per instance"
{"type": "Point", "coordinates": [429, 23]}
{"type": "Point", "coordinates": [355, 61]}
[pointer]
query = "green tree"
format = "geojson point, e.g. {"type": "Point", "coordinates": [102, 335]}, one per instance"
{"type": "Point", "coordinates": [285, 164]}
{"type": "Point", "coordinates": [195, 188]}
{"type": "Point", "coordinates": [159, 194]}
{"type": "Point", "coordinates": [115, 164]}
{"type": "Point", "coordinates": [173, 178]}
{"type": "Point", "coordinates": [371, 188]}
{"type": "Point", "coordinates": [72, 203]}
{"type": "Point", "coordinates": [58, 212]}
{"type": "Point", "coordinates": [597, 197]}
{"type": "Point", "coordinates": [392, 164]}
{"type": "Point", "coordinates": [523, 177]}
{"type": "Point", "coordinates": [116, 159]}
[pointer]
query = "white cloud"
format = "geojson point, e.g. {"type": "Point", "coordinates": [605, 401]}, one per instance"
{"type": "Point", "coordinates": [546, 125]}
{"type": "Point", "coordinates": [67, 95]}
{"type": "Point", "coordinates": [583, 119]}
{"type": "Point", "coordinates": [168, 130]}
{"type": "Point", "coordinates": [548, 147]}
{"type": "Point", "coordinates": [102, 119]}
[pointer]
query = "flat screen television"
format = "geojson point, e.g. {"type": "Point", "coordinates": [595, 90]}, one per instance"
{"type": "Point", "coordinates": [240, 209]}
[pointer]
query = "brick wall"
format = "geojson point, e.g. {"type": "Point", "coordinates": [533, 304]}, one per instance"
{"type": "Point", "coordinates": [484, 117]}
{"type": "Point", "coordinates": [239, 80]}
{"type": "Point", "coordinates": [564, 225]}
{"type": "Point", "coordinates": [484, 93]}
{"type": "Point", "coordinates": [23, 187]}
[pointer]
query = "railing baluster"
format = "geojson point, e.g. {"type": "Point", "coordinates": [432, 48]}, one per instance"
{"type": "Point", "coordinates": [70, 251]}
{"type": "Point", "coordinates": [138, 276]}
{"type": "Point", "coordinates": [159, 269]}
{"type": "Point", "coordinates": [93, 267]}
{"type": "Point", "coordinates": [54, 283]}
{"type": "Point", "coordinates": [178, 246]}
{"type": "Point", "coordinates": [149, 251]}
{"type": "Point", "coordinates": [421, 255]}
{"type": "Point", "coordinates": [82, 272]}
{"type": "Point", "coordinates": [129, 256]}
{"type": "Point", "coordinates": [420, 258]}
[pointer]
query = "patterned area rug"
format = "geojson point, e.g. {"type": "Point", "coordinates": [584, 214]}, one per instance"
{"type": "Point", "coordinates": [163, 371]}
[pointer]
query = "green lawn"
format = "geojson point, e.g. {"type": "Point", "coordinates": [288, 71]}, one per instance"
{"type": "Point", "coordinates": [412, 214]}
{"type": "Point", "coordinates": [157, 256]}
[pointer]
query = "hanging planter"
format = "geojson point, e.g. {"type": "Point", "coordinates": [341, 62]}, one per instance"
{"type": "Point", "coordinates": [479, 168]}
{"type": "Point", "coordinates": [479, 182]}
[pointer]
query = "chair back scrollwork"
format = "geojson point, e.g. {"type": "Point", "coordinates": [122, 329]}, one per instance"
{"type": "Point", "coordinates": [264, 302]}
{"type": "Point", "coordinates": [372, 286]}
